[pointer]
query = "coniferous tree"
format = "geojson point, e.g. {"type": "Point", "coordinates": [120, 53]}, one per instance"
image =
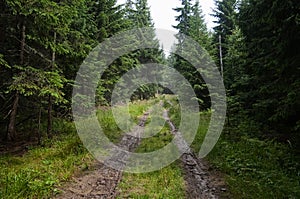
{"type": "Point", "coordinates": [191, 24]}
{"type": "Point", "coordinates": [42, 31]}
{"type": "Point", "coordinates": [138, 16]}
{"type": "Point", "coordinates": [226, 15]}
{"type": "Point", "coordinates": [272, 38]}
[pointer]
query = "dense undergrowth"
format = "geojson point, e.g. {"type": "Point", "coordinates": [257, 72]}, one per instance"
{"type": "Point", "coordinates": [39, 172]}
{"type": "Point", "coordinates": [253, 168]}
{"type": "Point", "coordinates": [257, 168]}
{"type": "Point", "coordinates": [43, 169]}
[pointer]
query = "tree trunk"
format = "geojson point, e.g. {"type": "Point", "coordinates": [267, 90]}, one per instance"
{"type": "Point", "coordinates": [39, 126]}
{"type": "Point", "coordinates": [23, 40]}
{"type": "Point", "coordinates": [11, 130]}
{"type": "Point", "coordinates": [49, 127]}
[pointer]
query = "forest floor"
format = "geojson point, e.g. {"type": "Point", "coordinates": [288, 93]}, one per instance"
{"type": "Point", "coordinates": [61, 167]}
{"type": "Point", "coordinates": [101, 181]}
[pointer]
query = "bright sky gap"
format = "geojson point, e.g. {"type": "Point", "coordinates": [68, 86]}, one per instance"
{"type": "Point", "coordinates": [163, 14]}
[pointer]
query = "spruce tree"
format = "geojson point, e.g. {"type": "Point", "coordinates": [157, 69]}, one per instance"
{"type": "Point", "coordinates": [226, 15]}
{"type": "Point", "coordinates": [191, 23]}
{"type": "Point", "coordinates": [272, 38]}
{"type": "Point", "coordinates": [45, 36]}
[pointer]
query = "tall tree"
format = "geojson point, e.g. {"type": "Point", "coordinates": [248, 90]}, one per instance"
{"type": "Point", "coordinates": [191, 23]}
{"type": "Point", "coordinates": [198, 29]}
{"type": "Point", "coordinates": [225, 13]}
{"type": "Point", "coordinates": [272, 30]}
{"type": "Point", "coordinates": [42, 31]}
{"type": "Point", "coordinates": [183, 19]}
{"type": "Point", "coordinates": [137, 15]}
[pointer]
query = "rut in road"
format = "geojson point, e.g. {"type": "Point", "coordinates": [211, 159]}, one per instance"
{"type": "Point", "coordinates": [102, 181]}
{"type": "Point", "coordinates": [199, 181]}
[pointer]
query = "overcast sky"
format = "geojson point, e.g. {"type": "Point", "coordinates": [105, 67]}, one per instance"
{"type": "Point", "coordinates": [164, 17]}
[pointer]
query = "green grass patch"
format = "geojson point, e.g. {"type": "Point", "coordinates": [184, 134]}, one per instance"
{"type": "Point", "coordinates": [138, 108]}
{"type": "Point", "coordinates": [109, 125]}
{"type": "Point", "coordinates": [253, 168]}
{"type": "Point", "coordinates": [257, 169]}
{"type": "Point", "coordinates": [165, 183]}
{"type": "Point", "coordinates": [38, 173]}
{"type": "Point", "coordinates": [158, 141]}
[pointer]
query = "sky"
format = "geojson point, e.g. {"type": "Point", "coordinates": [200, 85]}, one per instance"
{"type": "Point", "coordinates": [164, 16]}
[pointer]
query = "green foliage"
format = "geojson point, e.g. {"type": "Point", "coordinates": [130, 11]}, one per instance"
{"type": "Point", "coordinates": [165, 183]}
{"type": "Point", "coordinates": [3, 63]}
{"type": "Point", "coordinates": [108, 18]}
{"type": "Point", "coordinates": [136, 14]}
{"type": "Point", "coordinates": [268, 85]}
{"type": "Point", "coordinates": [257, 169]}
{"type": "Point", "coordinates": [32, 81]}
{"type": "Point", "coordinates": [262, 83]}
{"type": "Point", "coordinates": [45, 41]}
{"type": "Point", "coordinates": [253, 168]}
{"type": "Point", "coordinates": [191, 23]}
{"type": "Point", "coordinates": [226, 15]}
{"type": "Point", "coordinates": [183, 19]}
{"type": "Point", "coordinates": [39, 172]}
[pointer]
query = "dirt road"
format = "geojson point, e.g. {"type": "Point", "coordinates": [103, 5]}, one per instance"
{"type": "Point", "coordinates": [102, 181]}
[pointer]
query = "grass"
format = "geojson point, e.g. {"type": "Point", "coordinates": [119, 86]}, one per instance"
{"type": "Point", "coordinates": [253, 168]}
{"type": "Point", "coordinates": [40, 171]}
{"type": "Point", "coordinates": [165, 183]}
{"type": "Point", "coordinates": [158, 141]}
{"type": "Point", "coordinates": [109, 125]}
{"type": "Point", "coordinates": [256, 168]}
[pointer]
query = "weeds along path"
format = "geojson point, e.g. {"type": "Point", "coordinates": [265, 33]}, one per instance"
{"type": "Point", "coordinates": [102, 181]}
{"type": "Point", "coordinates": [200, 183]}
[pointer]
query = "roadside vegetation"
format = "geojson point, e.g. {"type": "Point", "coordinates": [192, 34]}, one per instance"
{"type": "Point", "coordinates": [254, 45]}
{"type": "Point", "coordinates": [252, 167]}
{"type": "Point", "coordinates": [40, 171]}
{"type": "Point", "coordinates": [256, 168]}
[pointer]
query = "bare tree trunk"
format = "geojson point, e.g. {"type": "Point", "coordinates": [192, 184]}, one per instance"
{"type": "Point", "coordinates": [11, 130]}
{"type": "Point", "coordinates": [39, 126]}
{"type": "Point", "coordinates": [49, 127]}
{"type": "Point", "coordinates": [221, 56]}
{"type": "Point", "coordinates": [23, 40]}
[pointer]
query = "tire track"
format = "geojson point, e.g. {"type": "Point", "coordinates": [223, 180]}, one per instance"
{"type": "Point", "coordinates": [199, 182]}
{"type": "Point", "coordinates": [101, 182]}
